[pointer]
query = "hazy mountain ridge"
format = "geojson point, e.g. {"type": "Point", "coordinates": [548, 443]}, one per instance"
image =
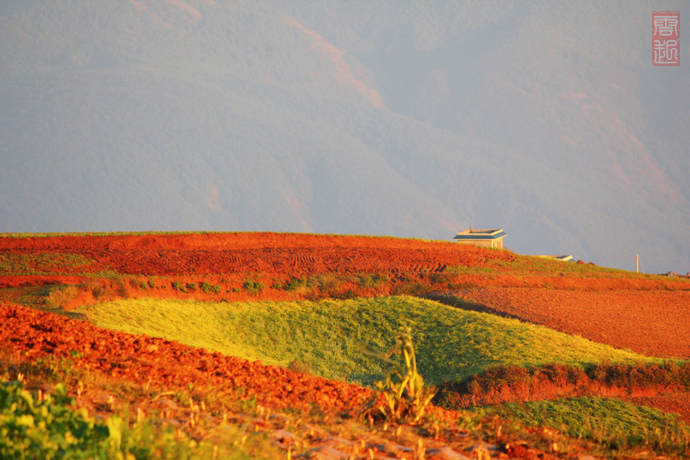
{"type": "Point", "coordinates": [308, 117]}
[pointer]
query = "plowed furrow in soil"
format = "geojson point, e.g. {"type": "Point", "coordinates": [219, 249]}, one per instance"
{"type": "Point", "coordinates": [287, 262]}
{"type": "Point", "coordinates": [279, 253]}
{"type": "Point", "coordinates": [169, 365]}
{"type": "Point", "coordinates": [654, 323]}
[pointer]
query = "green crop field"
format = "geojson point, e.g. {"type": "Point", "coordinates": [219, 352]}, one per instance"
{"type": "Point", "coordinates": [451, 343]}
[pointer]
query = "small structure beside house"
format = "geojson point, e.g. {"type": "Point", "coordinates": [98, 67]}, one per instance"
{"type": "Point", "coordinates": [564, 258]}
{"type": "Point", "coordinates": [490, 238]}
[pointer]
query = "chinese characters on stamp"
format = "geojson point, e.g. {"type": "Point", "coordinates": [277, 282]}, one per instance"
{"type": "Point", "coordinates": [666, 38]}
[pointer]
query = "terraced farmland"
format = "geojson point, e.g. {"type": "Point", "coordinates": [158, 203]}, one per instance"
{"type": "Point", "coordinates": [214, 330]}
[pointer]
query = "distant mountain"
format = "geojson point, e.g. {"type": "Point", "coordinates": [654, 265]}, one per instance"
{"type": "Point", "coordinates": [394, 118]}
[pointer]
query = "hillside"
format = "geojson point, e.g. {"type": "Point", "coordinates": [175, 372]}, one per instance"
{"type": "Point", "coordinates": [643, 313]}
{"type": "Point", "coordinates": [249, 345]}
{"type": "Point", "coordinates": [414, 121]}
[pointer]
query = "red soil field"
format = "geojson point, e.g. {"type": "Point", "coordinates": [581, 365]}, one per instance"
{"type": "Point", "coordinates": [678, 403]}
{"type": "Point", "coordinates": [648, 316]}
{"type": "Point", "coordinates": [271, 253]}
{"type": "Point", "coordinates": [167, 364]}
{"type": "Point", "coordinates": [654, 323]}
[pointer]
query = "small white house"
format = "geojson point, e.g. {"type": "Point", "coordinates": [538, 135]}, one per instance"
{"type": "Point", "coordinates": [490, 238]}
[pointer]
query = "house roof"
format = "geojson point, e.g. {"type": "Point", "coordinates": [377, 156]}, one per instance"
{"type": "Point", "coordinates": [475, 234]}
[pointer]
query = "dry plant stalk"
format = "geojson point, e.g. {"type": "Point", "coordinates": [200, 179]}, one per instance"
{"type": "Point", "coordinates": [404, 396]}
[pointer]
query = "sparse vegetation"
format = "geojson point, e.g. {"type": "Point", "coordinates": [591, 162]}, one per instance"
{"type": "Point", "coordinates": [296, 283]}
{"type": "Point", "coordinates": [369, 280]}
{"type": "Point", "coordinates": [105, 288]}
{"type": "Point", "coordinates": [59, 297]}
{"type": "Point", "coordinates": [209, 288]}
{"type": "Point", "coordinates": [176, 285]}
{"type": "Point", "coordinates": [411, 289]}
{"type": "Point", "coordinates": [320, 286]}
{"type": "Point", "coordinates": [253, 285]}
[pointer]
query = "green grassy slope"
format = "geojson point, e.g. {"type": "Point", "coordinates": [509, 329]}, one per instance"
{"type": "Point", "coordinates": [451, 343]}
{"type": "Point", "coordinates": [613, 423]}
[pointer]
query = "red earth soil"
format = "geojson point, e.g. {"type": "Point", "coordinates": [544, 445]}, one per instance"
{"type": "Point", "coordinates": [678, 403]}
{"type": "Point", "coordinates": [273, 253]}
{"type": "Point", "coordinates": [644, 315]}
{"type": "Point", "coordinates": [167, 364]}
{"type": "Point", "coordinates": [170, 366]}
{"type": "Point", "coordinates": [654, 323]}
{"type": "Point", "coordinates": [277, 256]}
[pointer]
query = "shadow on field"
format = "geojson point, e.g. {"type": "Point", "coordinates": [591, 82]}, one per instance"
{"type": "Point", "coordinates": [456, 302]}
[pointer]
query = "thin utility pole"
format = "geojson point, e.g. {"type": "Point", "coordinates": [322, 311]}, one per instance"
{"type": "Point", "coordinates": [637, 263]}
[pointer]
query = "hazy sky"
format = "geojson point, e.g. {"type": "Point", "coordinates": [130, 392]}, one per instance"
{"type": "Point", "coordinates": [389, 118]}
